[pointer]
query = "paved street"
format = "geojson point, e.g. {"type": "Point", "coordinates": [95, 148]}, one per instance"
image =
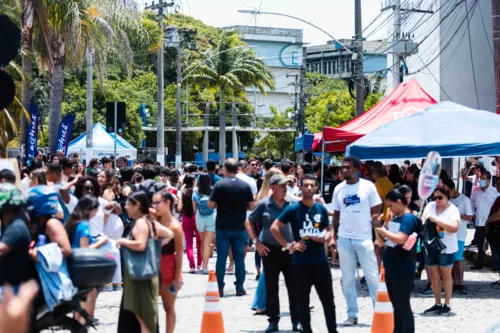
{"type": "Point", "coordinates": [474, 313]}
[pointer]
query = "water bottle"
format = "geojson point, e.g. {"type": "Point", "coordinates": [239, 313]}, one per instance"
{"type": "Point", "coordinates": [42, 240]}
{"type": "Point", "coordinates": [408, 245]}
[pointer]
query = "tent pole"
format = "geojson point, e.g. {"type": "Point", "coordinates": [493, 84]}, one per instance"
{"type": "Point", "coordinates": [114, 151]}
{"type": "Point", "coordinates": [322, 159]}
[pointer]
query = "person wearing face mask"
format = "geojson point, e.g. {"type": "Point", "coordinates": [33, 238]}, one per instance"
{"type": "Point", "coordinates": [481, 201]}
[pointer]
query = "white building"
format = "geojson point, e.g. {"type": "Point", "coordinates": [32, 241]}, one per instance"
{"type": "Point", "coordinates": [281, 50]}
{"type": "Point", "coordinates": [448, 60]}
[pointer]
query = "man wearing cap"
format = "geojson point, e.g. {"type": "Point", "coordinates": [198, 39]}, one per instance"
{"type": "Point", "coordinates": [275, 260]}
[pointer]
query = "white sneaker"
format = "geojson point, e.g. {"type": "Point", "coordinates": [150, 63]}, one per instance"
{"type": "Point", "coordinates": [351, 321]}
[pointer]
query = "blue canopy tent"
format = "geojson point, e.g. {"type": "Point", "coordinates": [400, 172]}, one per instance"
{"type": "Point", "coordinates": [451, 129]}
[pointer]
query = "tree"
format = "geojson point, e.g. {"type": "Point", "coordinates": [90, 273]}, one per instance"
{"type": "Point", "coordinates": [277, 144]}
{"type": "Point", "coordinates": [229, 66]}
{"type": "Point", "coordinates": [120, 21]}
{"type": "Point", "coordinates": [330, 103]}
{"type": "Point", "coordinates": [72, 23]}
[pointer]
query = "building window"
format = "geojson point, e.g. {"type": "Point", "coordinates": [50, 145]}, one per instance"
{"type": "Point", "coordinates": [325, 67]}
{"type": "Point", "coordinates": [335, 67]}
{"type": "Point", "coordinates": [342, 66]}
{"type": "Point", "coordinates": [348, 65]}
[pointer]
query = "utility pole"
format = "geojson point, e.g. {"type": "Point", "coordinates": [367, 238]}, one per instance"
{"type": "Point", "coordinates": [396, 59]}
{"type": "Point", "coordinates": [496, 46]}
{"type": "Point", "coordinates": [302, 84]}
{"type": "Point", "coordinates": [401, 43]}
{"type": "Point", "coordinates": [358, 57]}
{"type": "Point", "coordinates": [178, 129]}
{"type": "Point", "coordinates": [160, 138]}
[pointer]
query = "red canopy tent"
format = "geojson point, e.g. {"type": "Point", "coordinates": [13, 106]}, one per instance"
{"type": "Point", "coordinates": [407, 99]}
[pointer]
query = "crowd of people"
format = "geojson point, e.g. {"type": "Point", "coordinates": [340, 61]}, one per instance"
{"type": "Point", "coordinates": [365, 214]}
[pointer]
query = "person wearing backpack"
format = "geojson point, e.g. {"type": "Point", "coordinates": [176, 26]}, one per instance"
{"type": "Point", "coordinates": [205, 217]}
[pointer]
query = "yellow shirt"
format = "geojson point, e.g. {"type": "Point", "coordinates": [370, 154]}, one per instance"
{"type": "Point", "coordinates": [383, 186]}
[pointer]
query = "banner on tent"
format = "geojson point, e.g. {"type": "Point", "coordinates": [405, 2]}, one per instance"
{"type": "Point", "coordinates": [64, 133]}
{"type": "Point", "coordinates": [33, 133]}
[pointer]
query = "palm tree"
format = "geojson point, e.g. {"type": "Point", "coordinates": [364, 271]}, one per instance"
{"type": "Point", "coordinates": [33, 16]}
{"type": "Point", "coordinates": [72, 23]}
{"type": "Point", "coordinates": [120, 22]}
{"type": "Point", "coordinates": [230, 66]}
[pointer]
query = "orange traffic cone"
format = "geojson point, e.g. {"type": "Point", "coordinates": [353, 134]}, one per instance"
{"type": "Point", "coordinates": [212, 315]}
{"type": "Point", "coordinates": [383, 317]}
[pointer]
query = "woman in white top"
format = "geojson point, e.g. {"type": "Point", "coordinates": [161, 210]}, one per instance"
{"type": "Point", "coordinates": [446, 217]}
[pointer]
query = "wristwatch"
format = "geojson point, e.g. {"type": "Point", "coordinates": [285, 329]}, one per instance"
{"type": "Point", "coordinates": [254, 241]}
{"type": "Point", "coordinates": [287, 247]}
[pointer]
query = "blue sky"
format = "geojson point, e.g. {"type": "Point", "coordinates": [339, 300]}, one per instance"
{"type": "Point", "coordinates": [334, 16]}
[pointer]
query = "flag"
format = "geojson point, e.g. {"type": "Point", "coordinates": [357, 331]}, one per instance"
{"type": "Point", "coordinates": [33, 132]}
{"type": "Point", "coordinates": [64, 133]}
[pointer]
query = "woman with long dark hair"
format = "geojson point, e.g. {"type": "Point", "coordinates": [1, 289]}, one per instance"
{"type": "Point", "coordinates": [188, 216]}
{"type": "Point", "coordinates": [79, 235]}
{"type": "Point", "coordinates": [400, 262]}
{"type": "Point", "coordinates": [205, 217]}
{"type": "Point", "coordinates": [171, 255]}
{"type": "Point", "coordinates": [141, 296]}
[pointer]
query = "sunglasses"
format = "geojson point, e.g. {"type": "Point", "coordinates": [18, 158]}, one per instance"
{"type": "Point", "coordinates": [439, 197]}
{"type": "Point", "coordinates": [253, 164]}
{"type": "Point", "coordinates": [88, 188]}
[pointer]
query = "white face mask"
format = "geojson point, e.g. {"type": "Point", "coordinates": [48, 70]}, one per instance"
{"type": "Point", "coordinates": [482, 183]}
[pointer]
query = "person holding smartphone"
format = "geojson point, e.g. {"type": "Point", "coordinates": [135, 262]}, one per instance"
{"type": "Point", "coordinates": [400, 263]}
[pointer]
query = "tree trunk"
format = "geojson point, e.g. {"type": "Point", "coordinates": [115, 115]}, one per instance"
{"type": "Point", "coordinates": [56, 90]}
{"type": "Point", "coordinates": [222, 128]}
{"type": "Point", "coordinates": [55, 112]}
{"type": "Point", "coordinates": [27, 66]}
{"type": "Point", "coordinates": [89, 105]}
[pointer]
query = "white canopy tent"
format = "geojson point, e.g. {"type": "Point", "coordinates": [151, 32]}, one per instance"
{"type": "Point", "coordinates": [103, 144]}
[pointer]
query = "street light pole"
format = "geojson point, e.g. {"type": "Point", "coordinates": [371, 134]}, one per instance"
{"type": "Point", "coordinates": [178, 132]}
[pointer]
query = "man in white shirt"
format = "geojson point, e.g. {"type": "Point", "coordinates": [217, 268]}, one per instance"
{"type": "Point", "coordinates": [464, 207]}
{"type": "Point", "coordinates": [481, 202]}
{"type": "Point", "coordinates": [242, 174]}
{"type": "Point", "coordinates": [357, 206]}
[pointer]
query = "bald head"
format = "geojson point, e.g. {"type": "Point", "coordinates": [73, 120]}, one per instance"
{"type": "Point", "coordinates": [231, 166]}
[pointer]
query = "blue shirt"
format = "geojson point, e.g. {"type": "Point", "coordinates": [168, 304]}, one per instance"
{"type": "Point", "coordinates": [396, 259]}
{"type": "Point", "coordinates": [307, 221]}
{"type": "Point", "coordinates": [81, 230]}
{"type": "Point", "coordinates": [213, 177]}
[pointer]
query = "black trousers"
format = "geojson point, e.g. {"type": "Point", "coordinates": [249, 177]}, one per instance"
{"type": "Point", "coordinates": [479, 238]}
{"type": "Point", "coordinates": [276, 262]}
{"type": "Point", "coordinates": [319, 276]}
{"type": "Point", "coordinates": [399, 289]}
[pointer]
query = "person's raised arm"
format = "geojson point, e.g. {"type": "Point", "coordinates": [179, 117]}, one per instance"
{"type": "Point", "coordinates": [140, 232]}
{"type": "Point", "coordinates": [56, 232]}
{"type": "Point", "coordinates": [163, 232]}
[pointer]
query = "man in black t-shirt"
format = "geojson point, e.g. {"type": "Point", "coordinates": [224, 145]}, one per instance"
{"type": "Point", "coordinates": [232, 197]}
{"type": "Point", "coordinates": [310, 227]}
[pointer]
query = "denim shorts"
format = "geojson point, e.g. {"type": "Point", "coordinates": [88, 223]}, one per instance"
{"type": "Point", "coordinates": [459, 255]}
{"type": "Point", "coordinates": [435, 258]}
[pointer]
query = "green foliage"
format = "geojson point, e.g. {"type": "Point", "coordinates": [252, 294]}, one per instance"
{"type": "Point", "coordinates": [330, 103]}
{"type": "Point", "coordinates": [278, 145]}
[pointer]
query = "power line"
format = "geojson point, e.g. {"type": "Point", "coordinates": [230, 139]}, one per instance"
{"type": "Point", "coordinates": [439, 84]}
{"type": "Point", "coordinates": [471, 57]}
{"type": "Point", "coordinates": [447, 44]}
